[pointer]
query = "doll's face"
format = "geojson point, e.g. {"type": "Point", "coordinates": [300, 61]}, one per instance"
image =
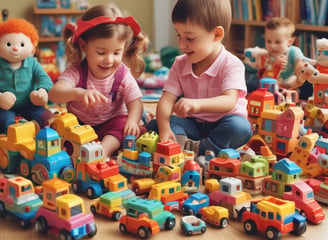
{"type": "Point", "coordinates": [15, 47]}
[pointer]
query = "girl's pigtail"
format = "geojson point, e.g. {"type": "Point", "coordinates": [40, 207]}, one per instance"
{"type": "Point", "coordinates": [133, 56]}
{"type": "Point", "coordinates": [73, 51]}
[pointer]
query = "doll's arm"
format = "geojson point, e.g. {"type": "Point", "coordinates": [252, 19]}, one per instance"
{"type": "Point", "coordinates": [39, 97]}
{"type": "Point", "coordinates": [7, 100]}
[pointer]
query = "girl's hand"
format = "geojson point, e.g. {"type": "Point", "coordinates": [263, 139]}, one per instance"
{"type": "Point", "coordinates": [89, 98]}
{"type": "Point", "coordinates": [186, 106]}
{"type": "Point", "coordinates": [131, 128]}
{"type": "Point", "coordinates": [39, 97]}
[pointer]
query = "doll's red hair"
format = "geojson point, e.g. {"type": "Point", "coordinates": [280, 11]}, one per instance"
{"type": "Point", "coordinates": [16, 25]}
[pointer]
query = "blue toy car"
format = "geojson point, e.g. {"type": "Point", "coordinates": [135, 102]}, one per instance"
{"type": "Point", "coordinates": [192, 224]}
{"type": "Point", "coordinates": [194, 203]}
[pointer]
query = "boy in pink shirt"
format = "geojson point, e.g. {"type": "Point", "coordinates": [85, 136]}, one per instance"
{"type": "Point", "coordinates": [206, 87]}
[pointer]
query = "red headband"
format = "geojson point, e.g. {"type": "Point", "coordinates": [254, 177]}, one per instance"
{"type": "Point", "coordinates": [83, 26]}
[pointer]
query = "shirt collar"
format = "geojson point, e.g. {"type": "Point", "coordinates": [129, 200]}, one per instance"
{"type": "Point", "coordinates": [212, 70]}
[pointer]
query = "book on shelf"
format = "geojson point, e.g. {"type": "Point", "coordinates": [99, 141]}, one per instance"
{"type": "Point", "coordinates": [322, 12]}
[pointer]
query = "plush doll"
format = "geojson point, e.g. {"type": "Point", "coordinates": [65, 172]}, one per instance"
{"type": "Point", "coordinates": [322, 58]}
{"type": "Point", "coordinates": [24, 84]}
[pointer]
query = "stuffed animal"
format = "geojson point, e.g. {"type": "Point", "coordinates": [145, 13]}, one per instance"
{"type": "Point", "coordinates": [24, 84]}
{"type": "Point", "coordinates": [322, 55]}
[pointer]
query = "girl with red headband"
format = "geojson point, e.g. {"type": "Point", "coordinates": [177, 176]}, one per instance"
{"type": "Point", "coordinates": [104, 51]}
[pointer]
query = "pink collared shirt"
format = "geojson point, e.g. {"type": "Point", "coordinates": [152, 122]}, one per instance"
{"type": "Point", "coordinates": [226, 72]}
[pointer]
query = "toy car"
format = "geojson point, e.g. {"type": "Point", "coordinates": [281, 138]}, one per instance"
{"type": "Point", "coordinates": [214, 215]}
{"type": "Point", "coordinates": [108, 204]}
{"type": "Point", "coordinates": [145, 217]}
{"type": "Point", "coordinates": [192, 224]}
{"type": "Point", "coordinates": [194, 203]}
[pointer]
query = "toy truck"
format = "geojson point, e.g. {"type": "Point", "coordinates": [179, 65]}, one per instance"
{"type": "Point", "coordinates": [145, 217]}
{"type": "Point", "coordinates": [273, 216]}
{"type": "Point", "coordinates": [96, 176]}
{"type": "Point", "coordinates": [69, 220]}
{"type": "Point", "coordinates": [302, 195]}
{"type": "Point", "coordinates": [17, 198]}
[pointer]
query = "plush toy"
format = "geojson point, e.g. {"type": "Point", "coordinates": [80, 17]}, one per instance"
{"type": "Point", "coordinates": [322, 57]}
{"type": "Point", "coordinates": [24, 84]}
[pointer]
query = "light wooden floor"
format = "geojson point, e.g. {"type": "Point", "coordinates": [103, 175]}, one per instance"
{"type": "Point", "coordinates": [108, 229]}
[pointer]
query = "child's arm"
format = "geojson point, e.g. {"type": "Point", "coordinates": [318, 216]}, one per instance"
{"type": "Point", "coordinates": [135, 110]}
{"type": "Point", "coordinates": [223, 103]}
{"type": "Point", "coordinates": [163, 114]}
{"type": "Point", "coordinates": [63, 92]}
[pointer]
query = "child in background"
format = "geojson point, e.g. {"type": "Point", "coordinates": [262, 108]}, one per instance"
{"type": "Point", "coordinates": [206, 87]}
{"type": "Point", "coordinates": [99, 88]}
{"type": "Point", "coordinates": [279, 37]}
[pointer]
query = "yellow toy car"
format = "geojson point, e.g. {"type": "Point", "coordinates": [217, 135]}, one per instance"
{"type": "Point", "coordinates": [215, 215]}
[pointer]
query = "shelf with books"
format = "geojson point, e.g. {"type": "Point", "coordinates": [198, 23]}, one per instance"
{"type": "Point", "coordinates": [246, 32]}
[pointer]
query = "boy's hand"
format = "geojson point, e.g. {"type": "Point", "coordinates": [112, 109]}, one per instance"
{"type": "Point", "coordinates": [89, 98]}
{"type": "Point", "coordinates": [39, 97]}
{"type": "Point", "coordinates": [185, 106]}
{"type": "Point", "coordinates": [7, 100]}
{"type": "Point", "coordinates": [282, 61]}
{"type": "Point", "coordinates": [167, 136]}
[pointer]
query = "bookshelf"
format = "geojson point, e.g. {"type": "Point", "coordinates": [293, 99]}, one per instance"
{"type": "Point", "coordinates": [54, 13]}
{"type": "Point", "coordinates": [249, 33]}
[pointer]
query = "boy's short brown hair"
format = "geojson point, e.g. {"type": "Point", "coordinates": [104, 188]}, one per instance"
{"type": "Point", "coordinates": [278, 22]}
{"type": "Point", "coordinates": [205, 13]}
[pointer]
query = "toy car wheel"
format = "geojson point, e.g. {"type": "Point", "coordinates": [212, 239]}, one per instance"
{"type": "Point", "coordinates": [24, 168]}
{"type": "Point", "coordinates": [203, 229]}
{"type": "Point", "coordinates": [68, 174]}
{"type": "Point", "coordinates": [250, 227]}
{"type": "Point", "coordinates": [170, 223]}
{"type": "Point", "coordinates": [299, 228]}
{"type": "Point", "coordinates": [93, 210]}
{"type": "Point", "coordinates": [240, 213]}
{"type": "Point", "coordinates": [122, 228]}
{"type": "Point", "coordinates": [64, 235]}
{"type": "Point", "coordinates": [143, 232]}
{"type": "Point", "coordinates": [224, 222]}
{"type": "Point", "coordinates": [91, 193]}
{"type": "Point", "coordinates": [25, 223]}
{"type": "Point", "coordinates": [76, 186]}
{"type": "Point", "coordinates": [41, 225]}
{"type": "Point", "coordinates": [116, 216]}
{"type": "Point", "coordinates": [3, 212]}
{"type": "Point", "coordinates": [303, 213]}
{"type": "Point", "coordinates": [92, 229]}
{"type": "Point", "coordinates": [272, 234]}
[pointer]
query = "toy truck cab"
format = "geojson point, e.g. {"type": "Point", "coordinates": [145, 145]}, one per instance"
{"type": "Point", "coordinates": [273, 216]}
{"type": "Point", "coordinates": [69, 219]}
{"type": "Point", "coordinates": [108, 204]}
{"type": "Point", "coordinates": [18, 199]}
{"type": "Point", "coordinates": [145, 217]}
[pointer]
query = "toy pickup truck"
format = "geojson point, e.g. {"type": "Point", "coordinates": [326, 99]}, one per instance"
{"type": "Point", "coordinates": [273, 216]}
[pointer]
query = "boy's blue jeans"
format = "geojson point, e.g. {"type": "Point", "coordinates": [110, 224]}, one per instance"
{"type": "Point", "coordinates": [231, 131]}
{"type": "Point", "coordinates": [31, 112]}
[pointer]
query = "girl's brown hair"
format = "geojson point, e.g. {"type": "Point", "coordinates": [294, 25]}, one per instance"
{"type": "Point", "coordinates": [135, 46]}
{"type": "Point", "coordinates": [205, 13]}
